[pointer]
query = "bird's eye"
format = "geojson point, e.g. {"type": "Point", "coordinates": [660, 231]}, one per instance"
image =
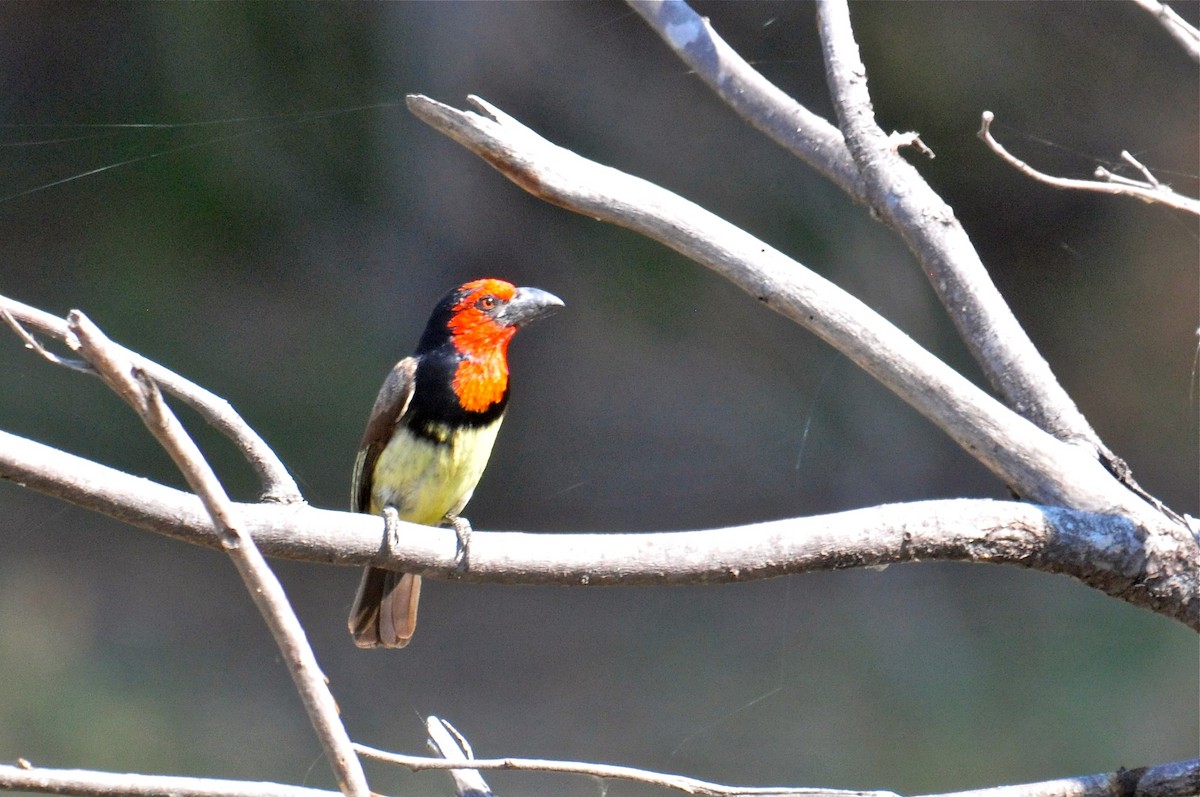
{"type": "Point", "coordinates": [486, 302]}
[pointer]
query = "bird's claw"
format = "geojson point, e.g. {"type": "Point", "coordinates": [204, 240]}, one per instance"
{"type": "Point", "coordinates": [391, 529]}
{"type": "Point", "coordinates": [462, 533]}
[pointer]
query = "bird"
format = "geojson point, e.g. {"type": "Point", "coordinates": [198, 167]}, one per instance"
{"type": "Point", "coordinates": [430, 434]}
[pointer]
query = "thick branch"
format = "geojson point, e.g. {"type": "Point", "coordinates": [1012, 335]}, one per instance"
{"type": "Point", "coordinates": [1033, 463]}
{"type": "Point", "coordinates": [1108, 553]}
{"type": "Point", "coordinates": [277, 484]}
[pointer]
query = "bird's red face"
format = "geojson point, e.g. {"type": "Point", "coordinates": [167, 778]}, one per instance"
{"type": "Point", "coordinates": [483, 320]}
{"type": "Point", "coordinates": [473, 325]}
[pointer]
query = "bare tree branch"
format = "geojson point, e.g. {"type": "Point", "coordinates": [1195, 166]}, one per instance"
{"type": "Point", "coordinates": [606, 771]}
{"type": "Point", "coordinates": [89, 783]}
{"type": "Point", "coordinates": [1035, 464]}
{"type": "Point", "coordinates": [278, 485]}
{"type": "Point", "coordinates": [1107, 552]}
{"type": "Point", "coordinates": [1177, 26]}
{"type": "Point", "coordinates": [872, 172]}
{"type": "Point", "coordinates": [1149, 191]}
{"type": "Point", "coordinates": [141, 392]}
{"type": "Point", "coordinates": [1178, 779]}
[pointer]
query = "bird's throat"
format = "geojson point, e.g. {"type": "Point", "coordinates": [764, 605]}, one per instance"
{"type": "Point", "coordinates": [482, 381]}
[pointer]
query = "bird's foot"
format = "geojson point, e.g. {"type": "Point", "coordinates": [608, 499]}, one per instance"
{"type": "Point", "coordinates": [391, 529]}
{"type": "Point", "coordinates": [462, 531]}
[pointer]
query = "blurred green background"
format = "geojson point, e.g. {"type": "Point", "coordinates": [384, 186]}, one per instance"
{"type": "Point", "coordinates": [285, 258]}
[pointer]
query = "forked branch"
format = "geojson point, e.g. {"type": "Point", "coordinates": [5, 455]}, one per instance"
{"type": "Point", "coordinates": [140, 391]}
{"type": "Point", "coordinates": [277, 484]}
{"type": "Point", "coordinates": [866, 166]}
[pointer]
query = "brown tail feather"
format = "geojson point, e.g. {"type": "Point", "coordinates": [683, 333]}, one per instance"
{"type": "Point", "coordinates": [385, 609]}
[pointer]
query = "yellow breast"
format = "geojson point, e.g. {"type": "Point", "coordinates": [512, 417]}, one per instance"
{"type": "Point", "coordinates": [424, 480]}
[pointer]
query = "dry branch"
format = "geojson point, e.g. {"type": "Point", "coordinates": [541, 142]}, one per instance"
{"type": "Point", "coordinates": [1177, 779]}
{"type": "Point", "coordinates": [277, 484]}
{"type": "Point", "coordinates": [141, 392]}
{"type": "Point", "coordinates": [1106, 552]}
{"type": "Point", "coordinates": [446, 743]}
{"type": "Point", "coordinates": [1148, 191]}
{"type": "Point", "coordinates": [1035, 464]}
{"type": "Point", "coordinates": [90, 783]}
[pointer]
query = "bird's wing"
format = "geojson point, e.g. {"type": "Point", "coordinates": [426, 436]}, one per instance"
{"type": "Point", "coordinates": [390, 405]}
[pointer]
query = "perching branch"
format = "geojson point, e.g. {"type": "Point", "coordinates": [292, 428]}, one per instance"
{"type": "Point", "coordinates": [277, 484]}
{"type": "Point", "coordinates": [871, 172]}
{"type": "Point", "coordinates": [1149, 190]}
{"type": "Point", "coordinates": [141, 392]}
{"type": "Point", "coordinates": [1106, 552]}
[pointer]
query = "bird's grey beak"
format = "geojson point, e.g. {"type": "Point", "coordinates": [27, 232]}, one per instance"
{"type": "Point", "coordinates": [528, 304]}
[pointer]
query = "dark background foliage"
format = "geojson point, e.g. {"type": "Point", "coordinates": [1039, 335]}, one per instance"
{"type": "Point", "coordinates": [285, 257]}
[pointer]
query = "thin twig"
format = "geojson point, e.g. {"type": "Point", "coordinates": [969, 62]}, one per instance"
{"type": "Point", "coordinates": [1147, 192]}
{"type": "Point", "coordinates": [35, 345]}
{"type": "Point", "coordinates": [141, 392]}
{"type": "Point", "coordinates": [277, 484]}
{"type": "Point", "coordinates": [89, 783]}
{"type": "Point", "coordinates": [609, 771]}
{"type": "Point", "coordinates": [1152, 567]}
